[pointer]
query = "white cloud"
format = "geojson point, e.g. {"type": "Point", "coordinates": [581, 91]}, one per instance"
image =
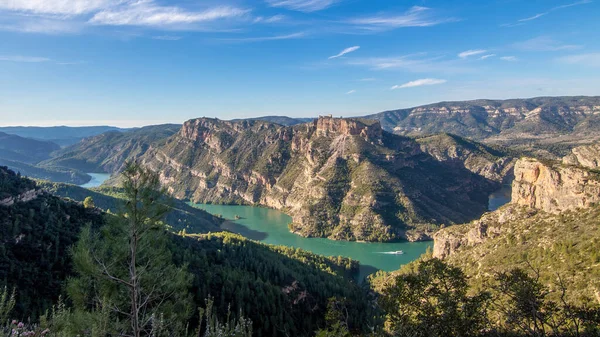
{"type": "Point", "coordinates": [415, 17]}
{"type": "Point", "coordinates": [146, 13]}
{"type": "Point", "coordinates": [271, 19]}
{"type": "Point", "coordinates": [589, 59]}
{"type": "Point", "coordinates": [509, 58]}
{"type": "Point", "coordinates": [468, 53]}
{"type": "Point", "coordinates": [583, 2]}
{"type": "Point", "coordinates": [418, 83]}
{"type": "Point", "coordinates": [345, 51]}
{"type": "Point", "coordinates": [537, 16]}
{"type": "Point", "coordinates": [351, 92]}
{"type": "Point", "coordinates": [303, 5]}
{"type": "Point", "coordinates": [544, 43]}
{"type": "Point", "coordinates": [27, 59]}
{"type": "Point", "coordinates": [167, 37]}
{"type": "Point", "coordinates": [268, 38]}
{"type": "Point", "coordinates": [57, 7]}
{"type": "Point", "coordinates": [417, 63]}
{"type": "Point", "coordinates": [487, 56]}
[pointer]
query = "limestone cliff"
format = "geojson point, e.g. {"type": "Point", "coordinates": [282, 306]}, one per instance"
{"type": "Point", "coordinates": [585, 156]}
{"type": "Point", "coordinates": [554, 188]}
{"type": "Point", "coordinates": [339, 178]}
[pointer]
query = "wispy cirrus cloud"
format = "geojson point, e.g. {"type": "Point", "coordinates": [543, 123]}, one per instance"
{"type": "Point", "coordinates": [26, 59]}
{"type": "Point", "coordinates": [298, 35]}
{"type": "Point", "coordinates": [419, 83]}
{"type": "Point", "coordinates": [472, 52]}
{"type": "Point", "coordinates": [57, 7]}
{"type": "Point", "coordinates": [415, 17]}
{"type": "Point", "coordinates": [541, 14]}
{"type": "Point", "coordinates": [149, 14]}
{"type": "Point", "coordinates": [167, 37]}
{"type": "Point", "coordinates": [487, 56]}
{"type": "Point", "coordinates": [270, 19]}
{"type": "Point", "coordinates": [63, 16]}
{"type": "Point", "coordinates": [588, 59]}
{"type": "Point", "coordinates": [416, 63]}
{"type": "Point", "coordinates": [303, 5]}
{"type": "Point", "coordinates": [543, 43]}
{"type": "Point", "coordinates": [344, 52]}
{"type": "Point", "coordinates": [583, 2]}
{"type": "Point", "coordinates": [351, 92]}
{"type": "Point", "coordinates": [509, 58]}
{"type": "Point", "coordinates": [537, 16]}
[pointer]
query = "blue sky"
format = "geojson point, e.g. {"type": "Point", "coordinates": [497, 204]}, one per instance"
{"type": "Point", "coordinates": [140, 62]}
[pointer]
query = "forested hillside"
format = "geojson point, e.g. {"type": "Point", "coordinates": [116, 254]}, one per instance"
{"type": "Point", "coordinates": [36, 231]}
{"type": "Point", "coordinates": [284, 291]}
{"type": "Point", "coordinates": [110, 199]}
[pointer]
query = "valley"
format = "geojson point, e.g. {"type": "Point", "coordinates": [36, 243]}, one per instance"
{"type": "Point", "coordinates": [342, 199]}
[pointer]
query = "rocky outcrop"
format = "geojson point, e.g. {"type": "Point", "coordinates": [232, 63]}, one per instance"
{"type": "Point", "coordinates": [345, 179]}
{"type": "Point", "coordinates": [585, 156]}
{"type": "Point", "coordinates": [368, 129]}
{"type": "Point", "coordinates": [476, 157]}
{"type": "Point", "coordinates": [491, 225]}
{"type": "Point", "coordinates": [554, 188]}
{"type": "Point", "coordinates": [23, 197]}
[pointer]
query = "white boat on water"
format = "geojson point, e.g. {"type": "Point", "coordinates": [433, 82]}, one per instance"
{"type": "Point", "coordinates": [397, 252]}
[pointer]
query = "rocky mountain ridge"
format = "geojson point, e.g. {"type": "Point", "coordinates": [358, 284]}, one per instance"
{"type": "Point", "coordinates": [338, 178]}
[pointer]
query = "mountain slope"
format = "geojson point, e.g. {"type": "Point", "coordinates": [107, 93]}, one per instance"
{"type": "Point", "coordinates": [338, 178]}
{"type": "Point", "coordinates": [62, 135]}
{"type": "Point", "coordinates": [181, 215]}
{"type": "Point", "coordinates": [36, 229]}
{"type": "Point", "coordinates": [64, 175]}
{"type": "Point", "coordinates": [509, 122]}
{"type": "Point", "coordinates": [494, 164]}
{"type": "Point", "coordinates": [25, 149]}
{"type": "Point", "coordinates": [109, 151]}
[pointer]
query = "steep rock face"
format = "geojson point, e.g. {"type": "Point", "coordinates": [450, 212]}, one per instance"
{"type": "Point", "coordinates": [586, 156]}
{"type": "Point", "coordinates": [554, 188]}
{"type": "Point", "coordinates": [338, 178]}
{"type": "Point", "coordinates": [476, 157]}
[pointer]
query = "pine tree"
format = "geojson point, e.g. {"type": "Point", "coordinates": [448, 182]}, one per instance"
{"type": "Point", "coordinates": [127, 269]}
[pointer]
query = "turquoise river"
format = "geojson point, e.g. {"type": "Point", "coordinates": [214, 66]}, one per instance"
{"type": "Point", "coordinates": [271, 227]}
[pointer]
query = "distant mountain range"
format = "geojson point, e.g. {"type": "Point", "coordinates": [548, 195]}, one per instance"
{"type": "Point", "coordinates": [551, 124]}
{"type": "Point", "coordinates": [61, 135]}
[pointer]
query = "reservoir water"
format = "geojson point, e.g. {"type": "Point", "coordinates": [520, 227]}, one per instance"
{"type": "Point", "coordinates": [500, 198]}
{"type": "Point", "coordinates": [97, 180]}
{"type": "Point", "coordinates": [271, 226]}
